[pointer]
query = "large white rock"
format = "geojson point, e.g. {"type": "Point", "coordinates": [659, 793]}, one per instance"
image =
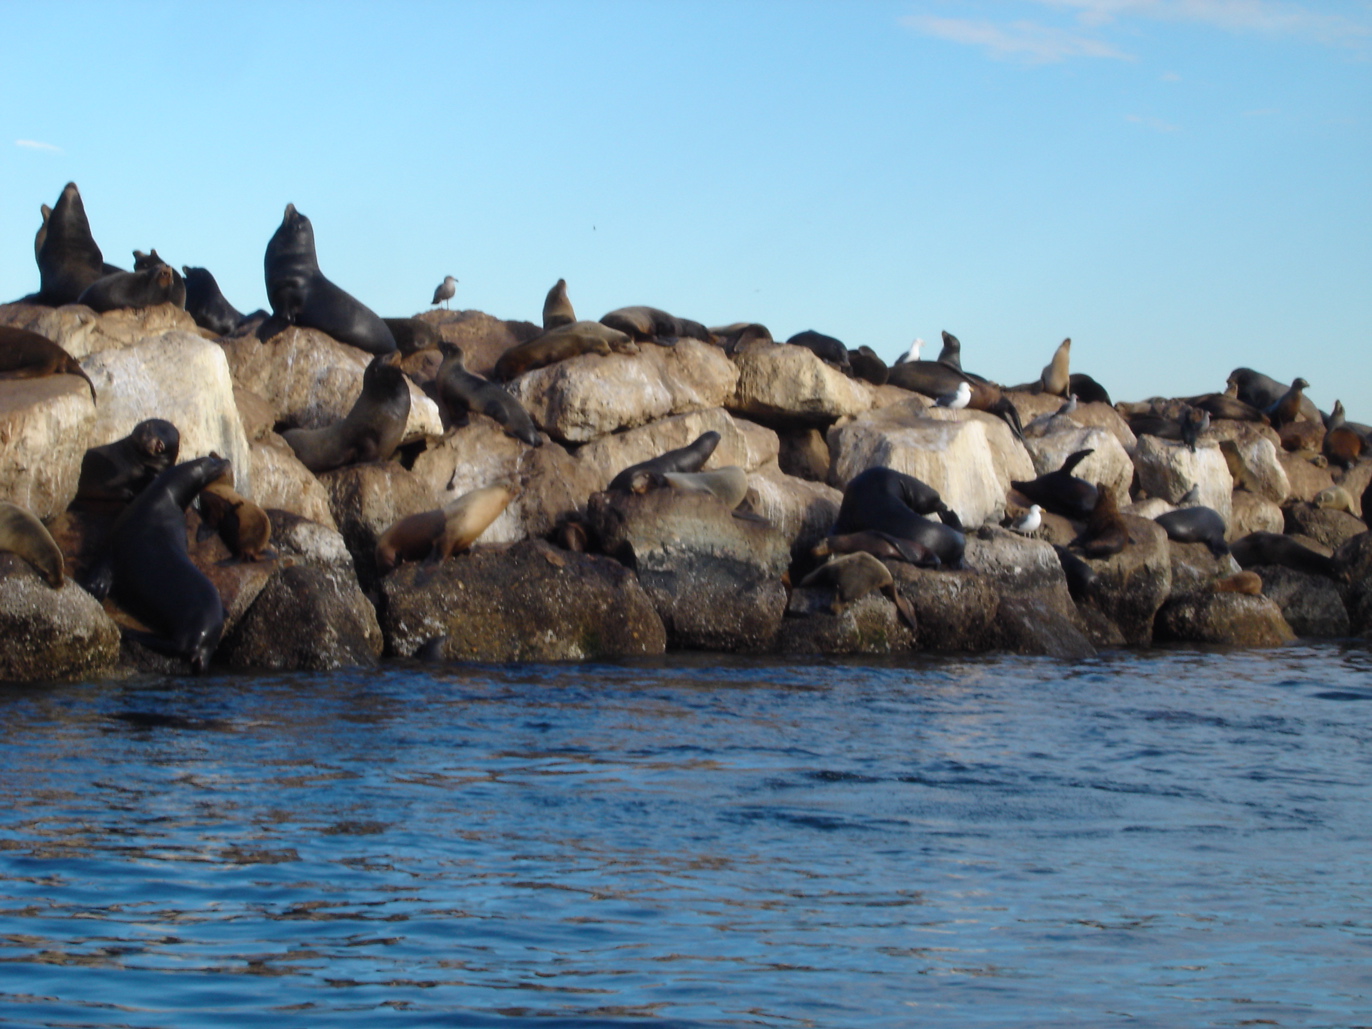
{"type": "Point", "coordinates": [589, 396]}
{"type": "Point", "coordinates": [311, 380]}
{"type": "Point", "coordinates": [803, 511]}
{"type": "Point", "coordinates": [45, 428]}
{"type": "Point", "coordinates": [970, 457]}
{"type": "Point", "coordinates": [281, 482]}
{"type": "Point", "coordinates": [179, 376]}
{"type": "Point", "coordinates": [1252, 457]}
{"type": "Point", "coordinates": [784, 382]}
{"type": "Point", "coordinates": [1169, 469]}
{"type": "Point", "coordinates": [1108, 463]}
{"type": "Point", "coordinates": [81, 332]}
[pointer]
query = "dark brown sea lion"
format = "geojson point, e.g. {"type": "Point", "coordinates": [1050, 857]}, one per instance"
{"type": "Point", "coordinates": [22, 533]}
{"type": "Point", "coordinates": [1195, 525]}
{"type": "Point", "coordinates": [372, 429]}
{"type": "Point", "coordinates": [438, 534]}
{"type": "Point", "coordinates": [27, 355]}
{"type": "Point", "coordinates": [689, 458]}
{"type": "Point", "coordinates": [826, 348]}
{"type": "Point", "coordinates": [888, 501]}
{"type": "Point", "coordinates": [147, 566]}
{"type": "Point", "coordinates": [1219, 405]}
{"type": "Point", "coordinates": [146, 288]}
{"type": "Point", "coordinates": [119, 471]}
{"type": "Point", "coordinates": [1081, 577]}
{"type": "Point", "coordinates": [1193, 425]}
{"type": "Point", "coordinates": [557, 309]}
{"type": "Point", "coordinates": [207, 305]}
{"type": "Point", "coordinates": [242, 524]}
{"type": "Point", "coordinates": [142, 262]}
{"type": "Point", "coordinates": [413, 334]}
{"type": "Point", "coordinates": [1288, 408]}
{"type": "Point", "coordinates": [867, 365]}
{"type": "Point", "coordinates": [68, 260]}
{"type": "Point", "coordinates": [1062, 492]}
{"type": "Point", "coordinates": [880, 545]}
{"type": "Point", "coordinates": [654, 325]}
{"type": "Point", "coordinates": [301, 295]}
{"type": "Point", "coordinates": [460, 392]}
{"type": "Point", "coordinates": [1272, 548]}
{"type": "Point", "coordinates": [739, 336]}
{"type": "Point", "coordinates": [1105, 534]}
{"type": "Point", "coordinates": [1087, 389]}
{"type": "Point", "coordinates": [561, 344]}
{"type": "Point", "coordinates": [1343, 446]}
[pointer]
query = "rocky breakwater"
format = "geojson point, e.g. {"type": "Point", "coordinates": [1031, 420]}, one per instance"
{"type": "Point", "coordinates": [382, 556]}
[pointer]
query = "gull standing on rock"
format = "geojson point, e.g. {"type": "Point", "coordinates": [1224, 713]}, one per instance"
{"type": "Point", "coordinates": [445, 291]}
{"type": "Point", "coordinates": [1069, 405]}
{"type": "Point", "coordinates": [1029, 521]}
{"type": "Point", "coordinates": [913, 354]}
{"type": "Point", "coordinates": [956, 401]}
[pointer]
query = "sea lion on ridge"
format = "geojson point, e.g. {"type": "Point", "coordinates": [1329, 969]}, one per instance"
{"type": "Point", "coordinates": [146, 288]}
{"type": "Point", "coordinates": [562, 344]}
{"type": "Point", "coordinates": [1272, 548]}
{"type": "Point", "coordinates": [300, 294]}
{"type": "Point", "coordinates": [886, 501]}
{"type": "Point", "coordinates": [69, 261]}
{"type": "Point", "coordinates": [1055, 377]}
{"type": "Point", "coordinates": [23, 534]}
{"type": "Point", "coordinates": [1288, 408]}
{"type": "Point", "coordinates": [142, 262]}
{"type": "Point", "coordinates": [557, 309]}
{"type": "Point", "coordinates": [147, 565]}
{"type": "Point", "coordinates": [866, 364]}
{"type": "Point", "coordinates": [27, 355]}
{"type": "Point", "coordinates": [119, 471]}
{"type": "Point", "coordinates": [738, 336]}
{"type": "Point", "coordinates": [207, 305]}
{"type": "Point", "coordinates": [437, 534]}
{"type": "Point", "coordinates": [654, 325]}
{"type": "Point", "coordinates": [1218, 405]}
{"type": "Point", "coordinates": [371, 430]}
{"type": "Point", "coordinates": [1105, 534]}
{"type": "Point", "coordinates": [826, 348]}
{"type": "Point", "coordinates": [882, 546]}
{"type": "Point", "coordinates": [461, 391]}
{"type": "Point", "coordinates": [1087, 389]}
{"type": "Point", "coordinates": [690, 458]}
{"type": "Point", "coordinates": [1061, 492]}
{"type": "Point", "coordinates": [1196, 525]}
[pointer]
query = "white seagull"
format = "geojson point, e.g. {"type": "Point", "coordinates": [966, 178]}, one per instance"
{"type": "Point", "coordinates": [956, 401]}
{"type": "Point", "coordinates": [1029, 521]}
{"type": "Point", "coordinates": [445, 291]}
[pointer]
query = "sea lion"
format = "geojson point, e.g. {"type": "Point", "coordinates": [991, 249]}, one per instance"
{"type": "Point", "coordinates": [1061, 492]}
{"type": "Point", "coordinates": [562, 344]}
{"type": "Point", "coordinates": [1055, 377]}
{"type": "Point", "coordinates": [1343, 446]}
{"type": "Point", "coordinates": [853, 576]}
{"type": "Point", "coordinates": [1272, 548]}
{"type": "Point", "coordinates": [436, 535]}
{"type": "Point", "coordinates": [888, 501]}
{"type": "Point", "coordinates": [147, 566]}
{"type": "Point", "coordinates": [1105, 534]}
{"type": "Point", "coordinates": [1335, 498]}
{"type": "Point", "coordinates": [372, 429]}
{"type": "Point", "coordinates": [1081, 577]}
{"type": "Point", "coordinates": [1196, 525]}
{"type": "Point", "coordinates": [146, 288]}
{"type": "Point", "coordinates": [1263, 391]}
{"type": "Point", "coordinates": [301, 295]}
{"type": "Point", "coordinates": [1248, 583]}
{"type": "Point", "coordinates": [23, 534]}
{"type": "Point", "coordinates": [740, 336]}
{"type": "Point", "coordinates": [27, 355]}
{"type": "Point", "coordinates": [689, 458]}
{"type": "Point", "coordinates": [931, 378]}
{"type": "Point", "coordinates": [119, 471]}
{"type": "Point", "coordinates": [206, 304]}
{"type": "Point", "coordinates": [951, 354]}
{"type": "Point", "coordinates": [1154, 425]}
{"type": "Point", "coordinates": [1193, 425]}
{"type": "Point", "coordinates": [867, 365]}
{"type": "Point", "coordinates": [557, 309]}
{"type": "Point", "coordinates": [653, 325]}
{"type": "Point", "coordinates": [1218, 405]}
{"type": "Point", "coordinates": [729, 484]}
{"type": "Point", "coordinates": [826, 348]}
{"type": "Point", "coordinates": [42, 232]}
{"type": "Point", "coordinates": [242, 524]}
{"type": "Point", "coordinates": [1087, 389]}
{"type": "Point", "coordinates": [460, 392]}
{"type": "Point", "coordinates": [880, 545]}
{"type": "Point", "coordinates": [68, 261]}
{"type": "Point", "coordinates": [1288, 408]}
{"type": "Point", "coordinates": [412, 335]}
{"type": "Point", "coordinates": [142, 262]}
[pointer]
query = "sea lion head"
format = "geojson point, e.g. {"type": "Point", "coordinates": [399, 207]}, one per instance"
{"type": "Point", "coordinates": [383, 377]}
{"type": "Point", "coordinates": [157, 437]}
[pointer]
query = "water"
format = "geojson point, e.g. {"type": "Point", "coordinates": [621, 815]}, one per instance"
{"type": "Point", "coordinates": [1176, 838]}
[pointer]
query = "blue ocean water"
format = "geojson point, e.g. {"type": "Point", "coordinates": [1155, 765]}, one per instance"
{"type": "Point", "coordinates": [1160, 838]}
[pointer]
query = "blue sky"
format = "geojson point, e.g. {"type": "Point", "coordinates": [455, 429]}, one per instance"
{"type": "Point", "coordinates": [1181, 186]}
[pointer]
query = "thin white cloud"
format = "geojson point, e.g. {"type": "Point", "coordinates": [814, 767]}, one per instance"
{"type": "Point", "coordinates": [33, 144]}
{"type": "Point", "coordinates": [1149, 122]}
{"type": "Point", "coordinates": [1272, 17]}
{"type": "Point", "coordinates": [1037, 44]}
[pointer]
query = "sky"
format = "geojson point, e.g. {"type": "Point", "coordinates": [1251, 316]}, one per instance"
{"type": "Point", "coordinates": [1181, 186]}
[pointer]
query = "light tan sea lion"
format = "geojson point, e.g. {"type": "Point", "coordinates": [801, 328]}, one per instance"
{"type": "Point", "coordinates": [853, 576]}
{"type": "Point", "coordinates": [557, 309]}
{"type": "Point", "coordinates": [27, 355]}
{"type": "Point", "coordinates": [561, 344]}
{"type": "Point", "coordinates": [372, 429]}
{"type": "Point", "coordinates": [729, 484]}
{"type": "Point", "coordinates": [1056, 377]}
{"type": "Point", "coordinates": [22, 533]}
{"type": "Point", "coordinates": [436, 535]}
{"type": "Point", "coordinates": [1335, 498]}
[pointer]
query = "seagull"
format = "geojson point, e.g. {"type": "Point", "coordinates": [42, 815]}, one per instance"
{"type": "Point", "coordinates": [445, 291]}
{"type": "Point", "coordinates": [1029, 521]}
{"type": "Point", "coordinates": [913, 354]}
{"type": "Point", "coordinates": [1191, 496]}
{"type": "Point", "coordinates": [1069, 405]}
{"type": "Point", "coordinates": [956, 401]}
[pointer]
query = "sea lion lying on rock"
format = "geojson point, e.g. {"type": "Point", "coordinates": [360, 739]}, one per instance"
{"type": "Point", "coordinates": [372, 429]}
{"type": "Point", "coordinates": [27, 355]}
{"type": "Point", "coordinates": [690, 458]}
{"type": "Point", "coordinates": [1196, 525]}
{"type": "Point", "coordinates": [853, 576]}
{"type": "Point", "coordinates": [436, 535]}
{"type": "Point", "coordinates": [1272, 548]}
{"type": "Point", "coordinates": [460, 392]}
{"type": "Point", "coordinates": [654, 325]}
{"type": "Point", "coordinates": [147, 288]}
{"type": "Point", "coordinates": [880, 545]}
{"type": "Point", "coordinates": [888, 501]}
{"type": "Point", "coordinates": [22, 533]}
{"type": "Point", "coordinates": [562, 344]}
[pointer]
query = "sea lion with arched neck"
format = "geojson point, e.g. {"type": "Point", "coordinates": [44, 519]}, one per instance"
{"type": "Point", "coordinates": [884, 500]}
{"type": "Point", "coordinates": [69, 261]}
{"type": "Point", "coordinates": [1056, 375]}
{"type": "Point", "coordinates": [301, 295]}
{"type": "Point", "coordinates": [27, 355]}
{"type": "Point", "coordinates": [690, 458]}
{"type": "Point", "coordinates": [557, 309]}
{"type": "Point", "coordinates": [372, 429]}
{"type": "Point", "coordinates": [461, 392]}
{"type": "Point", "coordinates": [1061, 492]}
{"type": "Point", "coordinates": [207, 305]}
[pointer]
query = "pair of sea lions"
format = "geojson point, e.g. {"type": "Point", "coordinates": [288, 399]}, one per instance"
{"type": "Point", "coordinates": [690, 458]}
{"type": "Point", "coordinates": [884, 500]}
{"type": "Point", "coordinates": [560, 344]}
{"type": "Point", "coordinates": [654, 325]}
{"type": "Point", "coordinates": [69, 261]}
{"type": "Point", "coordinates": [461, 392]}
{"type": "Point", "coordinates": [372, 429]}
{"type": "Point", "coordinates": [117, 472]}
{"type": "Point", "coordinates": [1061, 492]}
{"type": "Point", "coordinates": [27, 355]}
{"type": "Point", "coordinates": [436, 535]}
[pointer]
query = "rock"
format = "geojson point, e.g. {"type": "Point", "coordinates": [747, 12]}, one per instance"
{"type": "Point", "coordinates": [1168, 469]}
{"type": "Point", "coordinates": [1133, 584]}
{"type": "Point", "coordinates": [281, 481]}
{"type": "Point", "coordinates": [1307, 479]}
{"type": "Point", "coordinates": [311, 380]}
{"type": "Point", "coordinates": [81, 332]}
{"type": "Point", "coordinates": [802, 511]}
{"type": "Point", "coordinates": [522, 602]}
{"type": "Point", "coordinates": [1234, 619]}
{"type": "Point", "coordinates": [482, 337]}
{"type": "Point", "coordinates": [804, 454]}
{"type": "Point", "coordinates": [1036, 614]}
{"type": "Point", "coordinates": [1355, 558]}
{"type": "Point", "coordinates": [741, 443]}
{"type": "Point", "coordinates": [304, 621]}
{"type": "Point", "coordinates": [789, 386]}
{"type": "Point", "coordinates": [1325, 525]}
{"type": "Point", "coordinates": [590, 396]}
{"type": "Point", "coordinates": [1037, 411]}
{"type": "Point", "coordinates": [968, 456]}
{"type": "Point", "coordinates": [257, 416]}
{"type": "Point", "coordinates": [48, 634]}
{"type": "Point", "coordinates": [715, 579]}
{"type": "Point", "coordinates": [310, 543]}
{"type": "Point", "coordinates": [1311, 604]}
{"type": "Point", "coordinates": [1030, 624]}
{"type": "Point", "coordinates": [870, 625]}
{"type": "Point", "coordinates": [179, 376]}
{"type": "Point", "coordinates": [1108, 463]}
{"type": "Point", "coordinates": [1355, 482]}
{"type": "Point", "coordinates": [955, 611]}
{"type": "Point", "coordinates": [1252, 513]}
{"type": "Point", "coordinates": [1194, 568]}
{"type": "Point", "coordinates": [1150, 508]}
{"type": "Point", "coordinates": [45, 429]}
{"type": "Point", "coordinates": [1251, 453]}
{"type": "Point", "coordinates": [366, 500]}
